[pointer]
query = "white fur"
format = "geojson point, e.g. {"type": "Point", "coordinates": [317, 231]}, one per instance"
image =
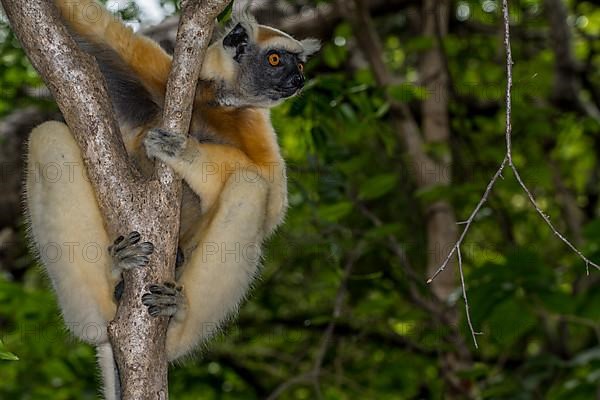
{"type": "Point", "coordinates": [106, 361]}
{"type": "Point", "coordinates": [68, 231]}
{"type": "Point", "coordinates": [222, 266]}
{"type": "Point", "coordinates": [70, 240]}
{"type": "Point", "coordinates": [310, 46]}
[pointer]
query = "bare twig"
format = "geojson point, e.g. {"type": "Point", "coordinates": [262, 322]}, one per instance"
{"type": "Point", "coordinates": [464, 291]}
{"type": "Point", "coordinates": [471, 218]}
{"type": "Point", "coordinates": [508, 160]}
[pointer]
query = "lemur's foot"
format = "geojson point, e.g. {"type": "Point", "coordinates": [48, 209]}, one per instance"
{"type": "Point", "coordinates": [163, 299]}
{"type": "Point", "coordinates": [161, 143]}
{"type": "Point", "coordinates": [128, 252]}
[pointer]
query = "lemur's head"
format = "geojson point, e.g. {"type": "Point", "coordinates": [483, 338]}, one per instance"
{"type": "Point", "coordinates": [256, 64]}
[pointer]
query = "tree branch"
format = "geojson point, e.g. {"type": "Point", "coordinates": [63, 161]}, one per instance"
{"type": "Point", "coordinates": [193, 36]}
{"type": "Point", "coordinates": [427, 172]}
{"type": "Point", "coordinates": [319, 21]}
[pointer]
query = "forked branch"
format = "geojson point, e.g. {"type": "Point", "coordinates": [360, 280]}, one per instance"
{"type": "Point", "coordinates": [508, 161]}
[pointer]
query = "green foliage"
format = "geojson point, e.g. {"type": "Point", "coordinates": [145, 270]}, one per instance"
{"type": "Point", "coordinates": [51, 365]}
{"type": "Point", "coordinates": [17, 76]}
{"type": "Point", "coordinates": [6, 355]}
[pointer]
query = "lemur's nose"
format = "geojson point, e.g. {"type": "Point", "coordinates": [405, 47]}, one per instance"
{"type": "Point", "coordinates": [298, 80]}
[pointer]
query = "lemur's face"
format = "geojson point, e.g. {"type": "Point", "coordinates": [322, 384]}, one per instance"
{"type": "Point", "coordinates": [275, 72]}
{"type": "Point", "coordinates": [270, 67]}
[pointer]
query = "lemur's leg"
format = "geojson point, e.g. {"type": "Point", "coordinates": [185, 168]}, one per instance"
{"type": "Point", "coordinates": [68, 230]}
{"type": "Point", "coordinates": [219, 271]}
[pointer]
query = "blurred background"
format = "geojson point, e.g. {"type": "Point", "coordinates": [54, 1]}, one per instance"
{"type": "Point", "coordinates": [391, 144]}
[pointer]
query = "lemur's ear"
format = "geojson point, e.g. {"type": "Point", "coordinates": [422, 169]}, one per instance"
{"type": "Point", "coordinates": [310, 46]}
{"type": "Point", "coordinates": [237, 39]}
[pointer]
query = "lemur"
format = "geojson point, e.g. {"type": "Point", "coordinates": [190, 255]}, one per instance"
{"type": "Point", "coordinates": [234, 178]}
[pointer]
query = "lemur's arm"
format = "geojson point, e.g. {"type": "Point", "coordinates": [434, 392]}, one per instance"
{"type": "Point", "coordinates": [144, 57]}
{"type": "Point", "coordinates": [205, 167]}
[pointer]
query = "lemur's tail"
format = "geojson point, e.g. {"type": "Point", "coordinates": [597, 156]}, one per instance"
{"type": "Point", "coordinates": [110, 373]}
{"type": "Point", "coordinates": [144, 57]}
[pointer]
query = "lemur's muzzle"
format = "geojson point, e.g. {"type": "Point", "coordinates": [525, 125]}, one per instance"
{"type": "Point", "coordinates": [298, 81]}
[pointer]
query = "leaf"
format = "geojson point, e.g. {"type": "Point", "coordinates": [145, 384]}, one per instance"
{"type": "Point", "coordinates": [333, 55]}
{"type": "Point", "coordinates": [431, 194]}
{"type": "Point", "coordinates": [406, 92]}
{"type": "Point", "coordinates": [226, 14]}
{"type": "Point", "coordinates": [585, 357]}
{"type": "Point", "coordinates": [377, 186]}
{"type": "Point", "coordinates": [335, 212]}
{"type": "Point", "coordinates": [348, 112]}
{"type": "Point", "coordinates": [382, 110]}
{"type": "Point", "coordinates": [6, 355]}
{"type": "Point", "coordinates": [558, 302]}
{"type": "Point", "coordinates": [509, 321]}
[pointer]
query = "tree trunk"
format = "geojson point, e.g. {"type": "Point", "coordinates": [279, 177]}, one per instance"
{"type": "Point", "coordinates": [441, 223]}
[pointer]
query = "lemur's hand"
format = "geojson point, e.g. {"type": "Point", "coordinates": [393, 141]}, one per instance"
{"type": "Point", "coordinates": [163, 144]}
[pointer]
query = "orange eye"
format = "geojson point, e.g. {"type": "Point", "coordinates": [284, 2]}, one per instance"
{"type": "Point", "coordinates": [274, 59]}
{"type": "Point", "coordinates": [301, 67]}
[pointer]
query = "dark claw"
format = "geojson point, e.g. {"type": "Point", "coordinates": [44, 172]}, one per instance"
{"type": "Point", "coordinates": [154, 311]}
{"type": "Point", "coordinates": [119, 289]}
{"type": "Point", "coordinates": [180, 258]}
{"type": "Point", "coordinates": [134, 237]}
